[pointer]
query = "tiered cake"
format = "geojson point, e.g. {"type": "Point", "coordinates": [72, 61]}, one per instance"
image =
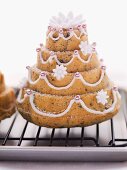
{"type": "Point", "coordinates": [7, 99]}
{"type": "Point", "coordinates": [68, 86]}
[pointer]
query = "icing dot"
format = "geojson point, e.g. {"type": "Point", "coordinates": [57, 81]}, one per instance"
{"type": "Point", "coordinates": [77, 74]}
{"type": "Point", "coordinates": [84, 26]}
{"type": "Point", "coordinates": [70, 29]}
{"type": "Point", "coordinates": [28, 92]}
{"type": "Point", "coordinates": [53, 29]}
{"type": "Point", "coordinates": [101, 60]}
{"type": "Point", "coordinates": [28, 67]}
{"type": "Point", "coordinates": [76, 52]}
{"type": "Point", "coordinates": [61, 31]}
{"type": "Point", "coordinates": [94, 44]}
{"type": "Point", "coordinates": [79, 26]}
{"type": "Point", "coordinates": [49, 28]}
{"type": "Point", "coordinates": [52, 53]}
{"type": "Point", "coordinates": [115, 88]}
{"type": "Point", "coordinates": [77, 97]}
{"type": "Point", "coordinates": [103, 67]}
{"type": "Point", "coordinates": [41, 45]}
{"type": "Point", "coordinates": [42, 74]}
{"type": "Point", "coordinates": [38, 49]}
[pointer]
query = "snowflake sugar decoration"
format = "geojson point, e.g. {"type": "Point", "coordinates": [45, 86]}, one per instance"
{"type": "Point", "coordinates": [85, 47]}
{"type": "Point", "coordinates": [60, 72]}
{"type": "Point", "coordinates": [68, 21]}
{"type": "Point", "coordinates": [102, 97]}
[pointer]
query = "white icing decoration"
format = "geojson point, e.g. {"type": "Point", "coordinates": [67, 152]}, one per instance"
{"type": "Point", "coordinates": [61, 22]}
{"type": "Point", "coordinates": [85, 47]}
{"type": "Point", "coordinates": [19, 99]}
{"type": "Point", "coordinates": [54, 57]}
{"type": "Point", "coordinates": [60, 72]}
{"type": "Point", "coordinates": [119, 96]}
{"type": "Point", "coordinates": [102, 97]}
{"type": "Point", "coordinates": [60, 35]}
{"type": "Point", "coordinates": [67, 86]}
{"type": "Point", "coordinates": [76, 99]}
{"type": "Point", "coordinates": [68, 21]}
{"type": "Point", "coordinates": [115, 88]}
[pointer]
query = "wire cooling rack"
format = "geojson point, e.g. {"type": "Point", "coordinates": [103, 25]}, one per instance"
{"type": "Point", "coordinates": [22, 138]}
{"type": "Point", "coordinates": [49, 140]}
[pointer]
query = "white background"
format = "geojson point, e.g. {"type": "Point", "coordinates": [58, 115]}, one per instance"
{"type": "Point", "coordinates": [23, 25]}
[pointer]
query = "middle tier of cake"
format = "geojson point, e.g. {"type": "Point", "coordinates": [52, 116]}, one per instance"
{"type": "Point", "coordinates": [74, 61]}
{"type": "Point", "coordinates": [72, 84]}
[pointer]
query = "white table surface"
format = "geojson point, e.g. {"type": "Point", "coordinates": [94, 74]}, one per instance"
{"type": "Point", "coordinates": [62, 166]}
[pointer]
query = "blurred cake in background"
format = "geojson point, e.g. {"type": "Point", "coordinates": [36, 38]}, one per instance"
{"type": "Point", "coordinates": [7, 99]}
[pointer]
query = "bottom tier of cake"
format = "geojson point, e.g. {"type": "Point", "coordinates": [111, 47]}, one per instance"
{"type": "Point", "coordinates": [67, 111]}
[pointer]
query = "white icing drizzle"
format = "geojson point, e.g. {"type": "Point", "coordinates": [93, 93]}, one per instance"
{"type": "Point", "coordinates": [76, 99]}
{"type": "Point", "coordinates": [118, 94]}
{"type": "Point", "coordinates": [19, 99]}
{"type": "Point", "coordinates": [77, 76]}
{"type": "Point", "coordinates": [101, 112]}
{"type": "Point", "coordinates": [65, 64]}
{"type": "Point", "coordinates": [31, 100]}
{"type": "Point", "coordinates": [61, 35]}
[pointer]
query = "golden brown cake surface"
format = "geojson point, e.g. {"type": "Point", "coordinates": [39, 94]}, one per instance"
{"type": "Point", "coordinates": [53, 106]}
{"type": "Point", "coordinates": [68, 86]}
{"type": "Point", "coordinates": [63, 44]}
{"type": "Point", "coordinates": [68, 59]}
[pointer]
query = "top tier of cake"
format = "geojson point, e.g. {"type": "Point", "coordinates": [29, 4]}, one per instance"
{"type": "Point", "coordinates": [68, 64]}
{"type": "Point", "coordinates": [66, 33]}
{"type": "Point", "coordinates": [67, 45]}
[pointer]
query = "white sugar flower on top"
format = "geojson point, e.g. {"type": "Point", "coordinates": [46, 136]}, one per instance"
{"type": "Point", "coordinates": [60, 72]}
{"type": "Point", "coordinates": [102, 97]}
{"type": "Point", "coordinates": [63, 21]}
{"type": "Point", "coordinates": [85, 47]}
